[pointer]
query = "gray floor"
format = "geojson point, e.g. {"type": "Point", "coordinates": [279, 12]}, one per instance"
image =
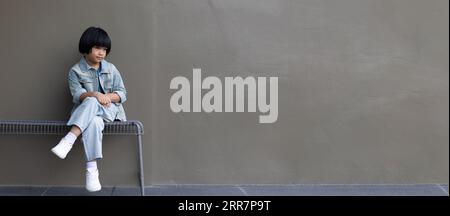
{"type": "Point", "coordinates": [237, 190]}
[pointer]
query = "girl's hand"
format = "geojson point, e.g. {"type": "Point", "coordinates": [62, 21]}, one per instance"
{"type": "Point", "coordinates": [103, 99]}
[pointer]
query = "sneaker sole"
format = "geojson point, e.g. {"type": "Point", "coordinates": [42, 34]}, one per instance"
{"type": "Point", "coordinates": [95, 190]}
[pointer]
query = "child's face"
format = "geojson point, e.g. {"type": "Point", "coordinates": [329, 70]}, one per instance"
{"type": "Point", "coordinates": [96, 55]}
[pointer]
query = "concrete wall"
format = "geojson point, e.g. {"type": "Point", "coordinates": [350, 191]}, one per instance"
{"type": "Point", "coordinates": [363, 89]}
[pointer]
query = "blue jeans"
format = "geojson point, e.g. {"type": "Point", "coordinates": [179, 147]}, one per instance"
{"type": "Point", "coordinates": [89, 116]}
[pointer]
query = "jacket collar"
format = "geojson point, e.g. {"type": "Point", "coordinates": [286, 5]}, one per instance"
{"type": "Point", "coordinates": [85, 66]}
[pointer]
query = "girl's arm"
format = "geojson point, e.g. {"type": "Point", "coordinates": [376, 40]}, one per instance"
{"type": "Point", "coordinates": [103, 99]}
{"type": "Point", "coordinates": [118, 91]}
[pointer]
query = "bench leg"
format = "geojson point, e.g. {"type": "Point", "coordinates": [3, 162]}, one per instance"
{"type": "Point", "coordinates": [141, 165]}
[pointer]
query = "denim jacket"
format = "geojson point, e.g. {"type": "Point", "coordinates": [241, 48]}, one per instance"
{"type": "Point", "coordinates": [83, 78]}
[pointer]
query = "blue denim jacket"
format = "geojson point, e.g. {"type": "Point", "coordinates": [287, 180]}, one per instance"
{"type": "Point", "coordinates": [83, 78]}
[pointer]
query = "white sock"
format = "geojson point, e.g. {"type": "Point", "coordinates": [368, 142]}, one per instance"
{"type": "Point", "coordinates": [91, 165]}
{"type": "Point", "coordinates": [70, 137]}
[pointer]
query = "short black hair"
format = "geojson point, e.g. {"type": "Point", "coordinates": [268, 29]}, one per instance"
{"type": "Point", "coordinates": [94, 36]}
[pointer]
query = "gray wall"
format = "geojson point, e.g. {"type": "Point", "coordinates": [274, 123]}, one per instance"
{"type": "Point", "coordinates": [363, 89]}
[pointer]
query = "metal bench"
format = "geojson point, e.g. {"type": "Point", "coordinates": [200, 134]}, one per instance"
{"type": "Point", "coordinates": [59, 127]}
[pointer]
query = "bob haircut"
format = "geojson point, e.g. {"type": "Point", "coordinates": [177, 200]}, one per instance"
{"type": "Point", "coordinates": [94, 36]}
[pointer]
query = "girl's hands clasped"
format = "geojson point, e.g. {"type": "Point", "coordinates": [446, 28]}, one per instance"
{"type": "Point", "coordinates": [103, 99]}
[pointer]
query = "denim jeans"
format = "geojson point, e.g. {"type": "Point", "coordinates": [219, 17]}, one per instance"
{"type": "Point", "coordinates": [89, 116]}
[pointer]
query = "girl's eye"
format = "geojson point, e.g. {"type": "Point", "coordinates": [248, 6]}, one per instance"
{"type": "Point", "coordinates": [101, 48]}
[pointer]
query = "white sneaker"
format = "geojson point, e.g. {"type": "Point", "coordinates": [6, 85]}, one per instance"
{"type": "Point", "coordinates": [62, 148]}
{"type": "Point", "coordinates": [92, 182]}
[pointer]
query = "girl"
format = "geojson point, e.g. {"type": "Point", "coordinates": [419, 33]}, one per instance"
{"type": "Point", "coordinates": [98, 93]}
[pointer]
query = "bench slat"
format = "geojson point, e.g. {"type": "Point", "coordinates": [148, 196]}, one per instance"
{"type": "Point", "coordinates": [131, 127]}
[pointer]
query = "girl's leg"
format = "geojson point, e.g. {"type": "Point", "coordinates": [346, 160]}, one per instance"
{"type": "Point", "coordinates": [79, 120]}
{"type": "Point", "coordinates": [93, 134]}
{"type": "Point", "coordinates": [83, 114]}
{"type": "Point", "coordinates": [75, 130]}
{"type": "Point", "coordinates": [92, 141]}
{"type": "Point", "coordinates": [88, 119]}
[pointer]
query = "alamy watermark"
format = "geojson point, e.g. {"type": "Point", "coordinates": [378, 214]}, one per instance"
{"type": "Point", "coordinates": [212, 100]}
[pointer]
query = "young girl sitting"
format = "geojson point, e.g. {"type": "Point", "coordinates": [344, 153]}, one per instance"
{"type": "Point", "coordinates": [98, 93]}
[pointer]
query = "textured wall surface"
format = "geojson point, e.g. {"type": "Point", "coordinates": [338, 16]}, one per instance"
{"type": "Point", "coordinates": [363, 89]}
